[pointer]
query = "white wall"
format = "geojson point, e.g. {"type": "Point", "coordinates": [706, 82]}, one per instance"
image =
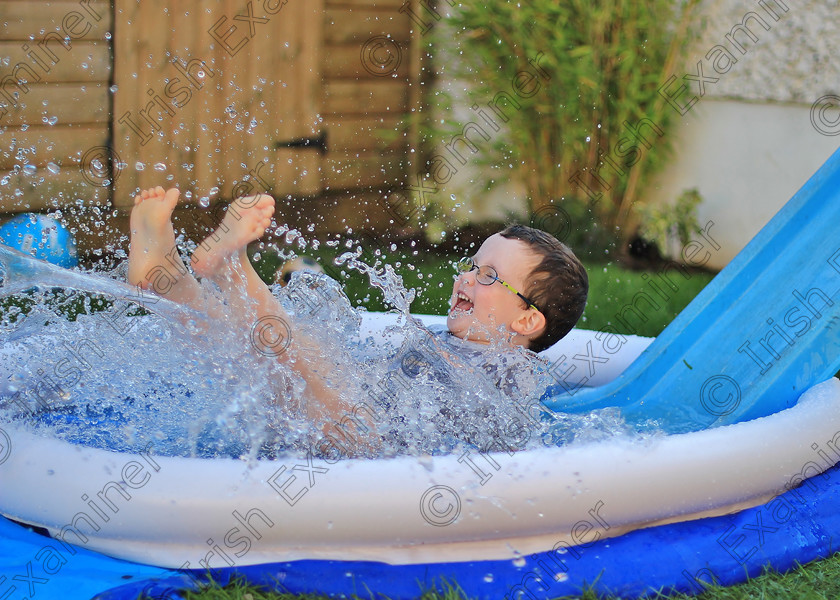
{"type": "Point", "coordinates": [746, 160]}
{"type": "Point", "coordinates": [749, 144]}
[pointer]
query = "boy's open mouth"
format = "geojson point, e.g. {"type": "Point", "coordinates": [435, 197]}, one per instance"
{"type": "Point", "coordinates": [462, 304]}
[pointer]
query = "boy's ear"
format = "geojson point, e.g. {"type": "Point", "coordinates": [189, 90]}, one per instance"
{"type": "Point", "coordinates": [530, 324]}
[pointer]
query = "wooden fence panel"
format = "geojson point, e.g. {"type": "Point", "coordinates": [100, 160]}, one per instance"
{"type": "Point", "coordinates": [55, 69]}
{"type": "Point", "coordinates": [369, 82]}
{"type": "Point", "coordinates": [99, 99]}
{"type": "Point", "coordinates": [224, 81]}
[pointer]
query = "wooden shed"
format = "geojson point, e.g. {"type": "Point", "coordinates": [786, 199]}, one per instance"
{"type": "Point", "coordinates": [219, 97]}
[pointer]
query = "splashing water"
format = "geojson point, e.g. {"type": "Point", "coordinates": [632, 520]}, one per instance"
{"type": "Point", "coordinates": [117, 378]}
{"type": "Point", "coordinates": [95, 361]}
{"type": "Point", "coordinates": [385, 280]}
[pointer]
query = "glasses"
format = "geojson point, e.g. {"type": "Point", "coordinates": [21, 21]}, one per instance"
{"type": "Point", "coordinates": [487, 276]}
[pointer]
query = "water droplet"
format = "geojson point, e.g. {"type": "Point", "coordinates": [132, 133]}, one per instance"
{"type": "Point", "coordinates": [107, 35]}
{"type": "Point", "coordinates": [53, 168]}
{"type": "Point", "coordinates": [204, 201]}
{"type": "Point", "coordinates": [488, 578]}
{"type": "Point", "coordinates": [114, 88]}
{"type": "Point", "coordinates": [519, 561]}
{"type": "Point", "coordinates": [139, 166]}
{"type": "Point", "coordinates": [561, 576]}
{"type": "Point", "coordinates": [160, 167]}
{"type": "Point", "coordinates": [29, 169]}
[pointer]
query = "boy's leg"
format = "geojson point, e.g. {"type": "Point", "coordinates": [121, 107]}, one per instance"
{"type": "Point", "coordinates": [246, 220]}
{"type": "Point", "coordinates": [153, 260]}
{"type": "Point", "coordinates": [222, 258]}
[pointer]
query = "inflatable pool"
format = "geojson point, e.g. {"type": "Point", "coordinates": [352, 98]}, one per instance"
{"type": "Point", "coordinates": [494, 523]}
{"type": "Point", "coordinates": [747, 478]}
{"type": "Point", "coordinates": [463, 507]}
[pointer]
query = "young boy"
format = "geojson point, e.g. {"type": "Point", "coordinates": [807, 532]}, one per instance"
{"type": "Point", "coordinates": [521, 288]}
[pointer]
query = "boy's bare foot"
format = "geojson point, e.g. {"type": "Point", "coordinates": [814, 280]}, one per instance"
{"type": "Point", "coordinates": [153, 259]}
{"type": "Point", "coordinates": [245, 221]}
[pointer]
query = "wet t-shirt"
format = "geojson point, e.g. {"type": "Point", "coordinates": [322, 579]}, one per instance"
{"type": "Point", "coordinates": [449, 392]}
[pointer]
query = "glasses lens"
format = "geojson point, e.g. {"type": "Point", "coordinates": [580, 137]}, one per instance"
{"type": "Point", "coordinates": [486, 275]}
{"type": "Point", "coordinates": [464, 265]}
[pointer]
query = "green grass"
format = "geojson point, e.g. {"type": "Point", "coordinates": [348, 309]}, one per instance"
{"type": "Point", "coordinates": [819, 580]}
{"type": "Point", "coordinates": [616, 293]}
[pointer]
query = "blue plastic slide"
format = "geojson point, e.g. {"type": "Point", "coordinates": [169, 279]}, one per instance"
{"type": "Point", "coordinates": [761, 333]}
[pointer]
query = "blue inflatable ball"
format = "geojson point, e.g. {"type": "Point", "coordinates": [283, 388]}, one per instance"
{"type": "Point", "coordinates": [42, 237]}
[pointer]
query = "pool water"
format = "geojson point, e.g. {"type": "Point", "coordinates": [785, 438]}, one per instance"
{"type": "Point", "coordinates": [96, 362]}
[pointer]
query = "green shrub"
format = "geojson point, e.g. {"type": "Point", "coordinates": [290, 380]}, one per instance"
{"type": "Point", "coordinates": [584, 70]}
{"type": "Point", "coordinates": [677, 222]}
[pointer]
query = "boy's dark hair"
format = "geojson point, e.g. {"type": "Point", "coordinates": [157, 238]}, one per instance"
{"type": "Point", "coordinates": [558, 285]}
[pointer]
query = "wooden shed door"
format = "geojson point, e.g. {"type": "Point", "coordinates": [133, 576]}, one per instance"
{"type": "Point", "coordinates": [55, 69]}
{"type": "Point", "coordinates": [221, 97]}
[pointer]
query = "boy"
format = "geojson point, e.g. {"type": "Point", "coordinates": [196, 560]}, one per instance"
{"type": "Point", "coordinates": [522, 288]}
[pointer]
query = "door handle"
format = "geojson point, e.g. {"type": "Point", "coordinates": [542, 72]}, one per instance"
{"type": "Point", "coordinates": [319, 142]}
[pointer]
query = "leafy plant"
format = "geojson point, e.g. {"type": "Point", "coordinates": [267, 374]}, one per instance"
{"type": "Point", "coordinates": [595, 70]}
{"type": "Point", "coordinates": [671, 222]}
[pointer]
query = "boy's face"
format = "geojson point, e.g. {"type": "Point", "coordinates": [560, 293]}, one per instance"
{"type": "Point", "coordinates": [476, 311]}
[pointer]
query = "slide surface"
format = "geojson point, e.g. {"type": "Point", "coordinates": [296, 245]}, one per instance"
{"type": "Point", "coordinates": [760, 334]}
